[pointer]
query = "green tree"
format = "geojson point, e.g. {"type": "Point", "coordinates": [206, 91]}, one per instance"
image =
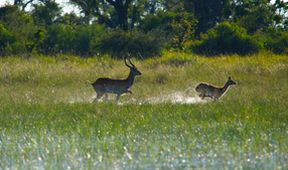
{"type": "Point", "coordinates": [226, 38]}
{"type": "Point", "coordinates": [69, 19]}
{"type": "Point", "coordinates": [277, 42]}
{"type": "Point", "coordinates": [111, 12]}
{"type": "Point", "coordinates": [89, 8]}
{"type": "Point", "coordinates": [21, 25]}
{"type": "Point", "coordinates": [59, 39]}
{"type": "Point", "coordinates": [280, 14]}
{"type": "Point", "coordinates": [46, 12]}
{"type": "Point", "coordinates": [260, 15]}
{"type": "Point", "coordinates": [209, 12]}
{"type": "Point", "coordinates": [6, 39]}
{"type": "Point", "coordinates": [22, 3]}
{"type": "Point", "coordinates": [118, 43]}
{"type": "Point", "coordinates": [84, 38]}
{"type": "Point", "coordinates": [177, 27]}
{"type": "Point", "coordinates": [253, 15]}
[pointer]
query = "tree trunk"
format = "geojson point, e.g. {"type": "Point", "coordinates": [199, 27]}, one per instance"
{"type": "Point", "coordinates": [123, 18]}
{"type": "Point", "coordinates": [121, 9]}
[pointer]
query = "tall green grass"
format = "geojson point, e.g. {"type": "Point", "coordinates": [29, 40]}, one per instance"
{"type": "Point", "coordinates": [48, 120]}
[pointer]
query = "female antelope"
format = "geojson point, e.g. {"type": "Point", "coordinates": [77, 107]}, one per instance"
{"type": "Point", "coordinates": [106, 85]}
{"type": "Point", "coordinates": [207, 90]}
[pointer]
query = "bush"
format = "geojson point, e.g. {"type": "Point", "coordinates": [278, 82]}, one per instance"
{"type": "Point", "coordinates": [177, 28]}
{"type": "Point", "coordinates": [226, 38]}
{"type": "Point", "coordinates": [59, 39]}
{"type": "Point", "coordinates": [85, 35]}
{"type": "Point", "coordinates": [68, 39]}
{"type": "Point", "coordinates": [21, 25]}
{"type": "Point", "coordinates": [6, 39]}
{"type": "Point", "coordinates": [277, 42]}
{"type": "Point", "coordinates": [118, 43]}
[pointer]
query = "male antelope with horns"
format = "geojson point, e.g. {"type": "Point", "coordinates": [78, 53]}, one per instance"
{"type": "Point", "coordinates": [102, 86]}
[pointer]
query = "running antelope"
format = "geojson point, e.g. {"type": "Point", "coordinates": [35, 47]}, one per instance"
{"type": "Point", "coordinates": [106, 85]}
{"type": "Point", "coordinates": [207, 90]}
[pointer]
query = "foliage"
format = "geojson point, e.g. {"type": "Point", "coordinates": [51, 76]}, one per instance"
{"type": "Point", "coordinates": [69, 39]}
{"type": "Point", "coordinates": [208, 13]}
{"type": "Point", "coordinates": [85, 36]}
{"type": "Point", "coordinates": [178, 28]}
{"type": "Point", "coordinates": [40, 26]}
{"type": "Point", "coordinates": [59, 39]}
{"type": "Point", "coordinates": [112, 13]}
{"type": "Point", "coordinates": [6, 39]}
{"type": "Point", "coordinates": [277, 42]}
{"type": "Point", "coordinates": [118, 43]}
{"type": "Point", "coordinates": [46, 12]}
{"type": "Point", "coordinates": [226, 38]}
{"type": "Point", "coordinates": [21, 26]}
{"type": "Point", "coordinates": [247, 13]}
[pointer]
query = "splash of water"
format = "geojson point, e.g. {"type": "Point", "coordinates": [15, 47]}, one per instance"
{"type": "Point", "coordinates": [173, 97]}
{"type": "Point", "coordinates": [176, 98]}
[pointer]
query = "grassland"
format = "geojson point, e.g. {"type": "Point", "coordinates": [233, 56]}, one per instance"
{"type": "Point", "coordinates": [47, 120]}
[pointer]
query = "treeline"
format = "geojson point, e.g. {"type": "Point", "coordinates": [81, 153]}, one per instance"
{"type": "Point", "coordinates": [144, 27]}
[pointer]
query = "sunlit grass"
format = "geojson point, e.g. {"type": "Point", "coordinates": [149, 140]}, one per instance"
{"type": "Point", "coordinates": [48, 120]}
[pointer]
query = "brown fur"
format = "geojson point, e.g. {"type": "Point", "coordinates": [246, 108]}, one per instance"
{"type": "Point", "coordinates": [102, 86]}
{"type": "Point", "coordinates": [207, 90]}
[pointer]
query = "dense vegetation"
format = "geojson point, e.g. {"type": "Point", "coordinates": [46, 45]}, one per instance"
{"type": "Point", "coordinates": [48, 120]}
{"type": "Point", "coordinates": [116, 27]}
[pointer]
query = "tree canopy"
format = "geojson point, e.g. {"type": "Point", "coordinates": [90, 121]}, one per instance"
{"type": "Point", "coordinates": [40, 26]}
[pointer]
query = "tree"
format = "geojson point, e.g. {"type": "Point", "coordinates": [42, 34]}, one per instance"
{"type": "Point", "coordinates": [46, 12]}
{"type": "Point", "coordinates": [177, 27]}
{"type": "Point", "coordinates": [88, 8]}
{"type": "Point", "coordinates": [20, 24]}
{"type": "Point", "coordinates": [111, 12]}
{"type": "Point", "coordinates": [280, 14]}
{"type": "Point", "coordinates": [260, 15]}
{"type": "Point", "coordinates": [118, 43]}
{"type": "Point", "coordinates": [22, 3]}
{"type": "Point", "coordinates": [6, 39]}
{"type": "Point", "coordinates": [121, 8]}
{"type": "Point", "coordinates": [247, 13]}
{"type": "Point", "coordinates": [69, 19]}
{"type": "Point", "coordinates": [209, 12]}
{"type": "Point", "coordinates": [226, 38]}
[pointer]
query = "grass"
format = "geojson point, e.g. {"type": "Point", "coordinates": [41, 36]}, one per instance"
{"type": "Point", "coordinates": [48, 120]}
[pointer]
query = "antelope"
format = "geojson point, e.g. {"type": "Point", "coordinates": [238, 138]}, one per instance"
{"type": "Point", "coordinates": [207, 90]}
{"type": "Point", "coordinates": [106, 85]}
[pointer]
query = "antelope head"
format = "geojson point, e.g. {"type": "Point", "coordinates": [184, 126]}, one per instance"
{"type": "Point", "coordinates": [230, 81]}
{"type": "Point", "coordinates": [134, 71]}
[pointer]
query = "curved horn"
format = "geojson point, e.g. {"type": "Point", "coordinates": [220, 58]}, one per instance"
{"type": "Point", "coordinates": [131, 62]}
{"type": "Point", "coordinates": [126, 62]}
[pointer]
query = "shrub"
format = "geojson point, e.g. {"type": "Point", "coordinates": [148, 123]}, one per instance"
{"type": "Point", "coordinates": [21, 25]}
{"type": "Point", "coordinates": [68, 39]}
{"type": "Point", "coordinates": [6, 39]}
{"type": "Point", "coordinates": [118, 43]}
{"type": "Point", "coordinates": [59, 39]}
{"type": "Point", "coordinates": [277, 42]}
{"type": "Point", "coordinates": [226, 38]}
{"type": "Point", "coordinates": [85, 35]}
{"type": "Point", "coordinates": [177, 28]}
